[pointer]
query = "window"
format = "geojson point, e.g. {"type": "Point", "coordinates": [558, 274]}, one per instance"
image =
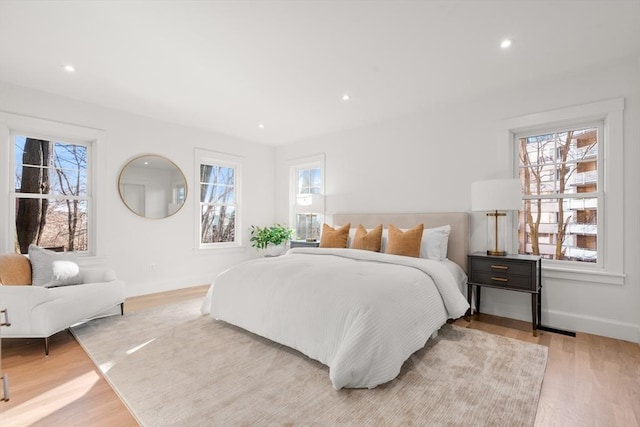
{"type": "Point", "coordinates": [218, 213]}
{"type": "Point", "coordinates": [52, 193]}
{"type": "Point", "coordinates": [306, 178]}
{"type": "Point", "coordinates": [560, 175]}
{"type": "Point", "coordinates": [570, 161]}
{"type": "Point", "coordinates": [309, 180]}
{"type": "Point", "coordinates": [53, 168]}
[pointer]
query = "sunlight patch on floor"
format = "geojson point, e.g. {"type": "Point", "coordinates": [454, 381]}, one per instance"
{"type": "Point", "coordinates": [138, 347]}
{"type": "Point", "coordinates": [45, 404]}
{"type": "Point", "coordinates": [104, 367]}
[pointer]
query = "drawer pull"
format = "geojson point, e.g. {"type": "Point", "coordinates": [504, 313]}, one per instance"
{"type": "Point", "coordinates": [499, 279]}
{"type": "Point", "coordinates": [500, 267]}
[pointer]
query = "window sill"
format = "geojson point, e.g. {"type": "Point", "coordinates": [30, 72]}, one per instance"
{"type": "Point", "coordinates": [222, 247]}
{"type": "Point", "coordinates": [583, 275]}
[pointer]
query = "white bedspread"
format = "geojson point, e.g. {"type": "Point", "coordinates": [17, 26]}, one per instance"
{"type": "Point", "coordinates": [360, 313]}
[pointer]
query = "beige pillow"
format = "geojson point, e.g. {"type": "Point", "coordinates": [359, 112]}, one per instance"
{"type": "Point", "coordinates": [15, 269]}
{"type": "Point", "coordinates": [370, 241]}
{"type": "Point", "coordinates": [334, 238]}
{"type": "Point", "coordinates": [405, 243]}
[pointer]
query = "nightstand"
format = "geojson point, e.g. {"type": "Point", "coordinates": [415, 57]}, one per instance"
{"type": "Point", "coordinates": [521, 273]}
{"type": "Point", "coordinates": [304, 244]}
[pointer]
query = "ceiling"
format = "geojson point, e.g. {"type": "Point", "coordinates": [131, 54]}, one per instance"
{"type": "Point", "coordinates": [229, 66]}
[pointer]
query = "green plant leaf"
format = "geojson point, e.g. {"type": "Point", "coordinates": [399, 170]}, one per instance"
{"type": "Point", "coordinates": [261, 237]}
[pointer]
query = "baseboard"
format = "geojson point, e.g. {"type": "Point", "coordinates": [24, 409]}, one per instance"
{"type": "Point", "coordinates": [593, 325]}
{"type": "Point", "coordinates": [517, 305]}
{"type": "Point", "coordinates": [138, 289]}
{"type": "Point", "coordinates": [571, 322]}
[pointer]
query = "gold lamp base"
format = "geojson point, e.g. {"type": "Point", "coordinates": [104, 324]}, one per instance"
{"type": "Point", "coordinates": [497, 253]}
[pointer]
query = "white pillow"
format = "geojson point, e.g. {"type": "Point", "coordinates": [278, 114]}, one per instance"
{"type": "Point", "coordinates": [352, 235]}
{"type": "Point", "coordinates": [435, 243]}
{"type": "Point", "coordinates": [385, 237]}
{"type": "Point", "coordinates": [50, 269]}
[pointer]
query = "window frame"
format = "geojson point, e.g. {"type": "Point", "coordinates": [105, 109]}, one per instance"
{"type": "Point", "coordinates": [295, 165]}
{"type": "Point", "coordinates": [610, 268]}
{"type": "Point", "coordinates": [15, 124]}
{"type": "Point", "coordinates": [599, 194]}
{"type": "Point", "coordinates": [213, 158]}
{"type": "Point", "coordinates": [53, 196]}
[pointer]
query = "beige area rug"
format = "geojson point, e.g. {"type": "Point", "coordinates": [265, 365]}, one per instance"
{"type": "Point", "coordinates": [173, 367]}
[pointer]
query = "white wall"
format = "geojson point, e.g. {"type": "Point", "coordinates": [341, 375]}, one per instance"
{"type": "Point", "coordinates": [428, 160]}
{"type": "Point", "coordinates": [131, 244]}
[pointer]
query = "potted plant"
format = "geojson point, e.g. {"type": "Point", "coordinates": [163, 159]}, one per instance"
{"type": "Point", "coordinates": [271, 239]}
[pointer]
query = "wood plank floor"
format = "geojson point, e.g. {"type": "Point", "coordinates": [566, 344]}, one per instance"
{"type": "Point", "coordinates": [589, 381]}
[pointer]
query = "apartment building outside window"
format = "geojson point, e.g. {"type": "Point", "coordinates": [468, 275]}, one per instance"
{"type": "Point", "coordinates": [562, 195]}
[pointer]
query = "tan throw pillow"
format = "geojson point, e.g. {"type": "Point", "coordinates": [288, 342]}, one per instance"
{"type": "Point", "coordinates": [405, 243]}
{"type": "Point", "coordinates": [15, 269]}
{"type": "Point", "coordinates": [370, 241]}
{"type": "Point", "coordinates": [334, 238]}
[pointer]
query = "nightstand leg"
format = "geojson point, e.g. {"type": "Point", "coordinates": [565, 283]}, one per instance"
{"type": "Point", "coordinates": [469, 312]}
{"type": "Point", "coordinates": [534, 313]}
{"type": "Point", "coordinates": [478, 288]}
{"type": "Point", "coordinates": [539, 308]}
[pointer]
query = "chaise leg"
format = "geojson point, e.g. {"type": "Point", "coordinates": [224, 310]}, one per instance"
{"type": "Point", "coordinates": [46, 346]}
{"type": "Point", "coordinates": [122, 308]}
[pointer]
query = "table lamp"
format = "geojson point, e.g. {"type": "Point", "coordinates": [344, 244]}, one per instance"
{"type": "Point", "coordinates": [310, 204]}
{"type": "Point", "coordinates": [495, 196]}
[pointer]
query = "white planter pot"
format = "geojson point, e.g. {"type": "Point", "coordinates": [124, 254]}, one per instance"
{"type": "Point", "coordinates": [274, 250]}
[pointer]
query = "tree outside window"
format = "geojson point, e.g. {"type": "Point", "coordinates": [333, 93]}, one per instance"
{"type": "Point", "coordinates": [218, 204]}
{"type": "Point", "coordinates": [52, 194]}
{"type": "Point", "coordinates": [561, 194]}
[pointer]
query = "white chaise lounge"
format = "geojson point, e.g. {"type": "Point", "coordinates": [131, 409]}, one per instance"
{"type": "Point", "coordinates": [39, 311]}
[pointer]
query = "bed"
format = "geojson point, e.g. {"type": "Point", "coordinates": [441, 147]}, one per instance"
{"type": "Point", "coordinates": [361, 313]}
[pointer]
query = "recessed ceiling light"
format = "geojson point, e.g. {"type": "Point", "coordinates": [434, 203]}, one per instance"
{"type": "Point", "coordinates": [505, 43]}
{"type": "Point", "coordinates": [70, 68]}
{"type": "Point", "coordinates": [261, 126]}
{"type": "Point", "coordinates": [346, 97]}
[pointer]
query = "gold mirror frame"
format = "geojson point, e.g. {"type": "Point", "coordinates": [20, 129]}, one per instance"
{"type": "Point", "coordinates": [152, 186]}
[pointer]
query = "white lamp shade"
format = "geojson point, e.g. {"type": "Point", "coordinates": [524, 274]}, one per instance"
{"type": "Point", "coordinates": [309, 203]}
{"type": "Point", "coordinates": [496, 195]}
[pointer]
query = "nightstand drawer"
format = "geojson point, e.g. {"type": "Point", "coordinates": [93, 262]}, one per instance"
{"type": "Point", "coordinates": [502, 280]}
{"type": "Point", "coordinates": [521, 273]}
{"type": "Point", "coordinates": [508, 267]}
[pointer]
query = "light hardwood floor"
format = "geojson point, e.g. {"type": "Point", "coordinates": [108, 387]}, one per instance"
{"type": "Point", "coordinates": [589, 380]}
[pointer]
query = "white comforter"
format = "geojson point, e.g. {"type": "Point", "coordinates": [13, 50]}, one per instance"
{"type": "Point", "coordinates": [360, 313]}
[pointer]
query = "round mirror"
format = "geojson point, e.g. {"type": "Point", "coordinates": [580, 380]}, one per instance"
{"type": "Point", "coordinates": [152, 186]}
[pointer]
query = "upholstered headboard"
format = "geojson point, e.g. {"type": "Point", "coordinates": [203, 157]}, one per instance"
{"type": "Point", "coordinates": [459, 222]}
